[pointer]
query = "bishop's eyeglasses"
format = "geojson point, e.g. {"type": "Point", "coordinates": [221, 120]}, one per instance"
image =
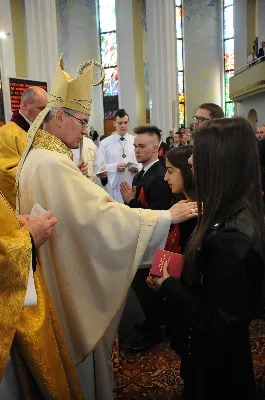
{"type": "Point", "coordinates": [83, 122]}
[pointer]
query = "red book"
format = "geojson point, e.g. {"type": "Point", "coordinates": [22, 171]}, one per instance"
{"type": "Point", "coordinates": [174, 263]}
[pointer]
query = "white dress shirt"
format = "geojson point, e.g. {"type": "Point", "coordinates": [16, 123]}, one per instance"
{"type": "Point", "coordinates": [113, 148]}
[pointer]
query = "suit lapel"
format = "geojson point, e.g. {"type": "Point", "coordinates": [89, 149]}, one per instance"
{"type": "Point", "coordinates": [145, 177]}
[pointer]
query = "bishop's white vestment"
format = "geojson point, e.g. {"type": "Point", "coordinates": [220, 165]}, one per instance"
{"type": "Point", "coordinates": [91, 257]}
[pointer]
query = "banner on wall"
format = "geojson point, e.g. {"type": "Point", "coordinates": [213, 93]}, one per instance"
{"type": "Point", "coordinates": [18, 86]}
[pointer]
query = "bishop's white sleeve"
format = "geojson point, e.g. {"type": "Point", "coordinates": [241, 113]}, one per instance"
{"type": "Point", "coordinates": [31, 295]}
{"type": "Point", "coordinates": [158, 238]}
{"type": "Point", "coordinates": [99, 162]}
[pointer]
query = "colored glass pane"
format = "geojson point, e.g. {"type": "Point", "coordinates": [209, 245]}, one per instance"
{"type": "Point", "coordinates": [228, 22]}
{"type": "Point", "coordinates": [228, 3]}
{"type": "Point", "coordinates": [179, 22]}
{"type": "Point", "coordinates": [108, 49]}
{"type": "Point", "coordinates": [179, 55]}
{"type": "Point", "coordinates": [228, 75]}
{"type": "Point", "coordinates": [181, 114]}
{"type": "Point", "coordinates": [181, 87]}
{"type": "Point", "coordinates": [178, 3]}
{"type": "Point", "coordinates": [107, 17]}
{"type": "Point", "coordinates": [229, 54]}
{"type": "Point", "coordinates": [229, 109]}
{"type": "Point", "coordinates": [110, 84]}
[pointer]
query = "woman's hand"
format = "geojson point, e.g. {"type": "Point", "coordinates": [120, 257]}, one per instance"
{"type": "Point", "coordinates": [155, 283]}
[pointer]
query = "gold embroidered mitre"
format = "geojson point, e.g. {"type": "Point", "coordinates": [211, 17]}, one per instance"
{"type": "Point", "coordinates": [72, 93]}
{"type": "Point", "coordinates": [66, 92]}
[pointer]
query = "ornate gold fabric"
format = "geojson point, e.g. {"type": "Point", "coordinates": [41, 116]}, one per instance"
{"type": "Point", "coordinates": [43, 361]}
{"type": "Point", "coordinates": [39, 349]}
{"type": "Point", "coordinates": [12, 143]}
{"type": "Point", "coordinates": [88, 263]}
{"type": "Point", "coordinates": [15, 256]}
{"type": "Point", "coordinates": [44, 140]}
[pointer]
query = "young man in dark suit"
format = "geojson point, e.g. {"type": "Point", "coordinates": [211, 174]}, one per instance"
{"type": "Point", "coordinates": [150, 190]}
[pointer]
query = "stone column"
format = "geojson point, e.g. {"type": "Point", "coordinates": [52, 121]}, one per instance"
{"type": "Point", "coordinates": [42, 40]}
{"type": "Point", "coordinates": [7, 54]}
{"type": "Point", "coordinates": [161, 36]}
{"type": "Point", "coordinates": [126, 58]}
{"type": "Point", "coordinates": [203, 62]}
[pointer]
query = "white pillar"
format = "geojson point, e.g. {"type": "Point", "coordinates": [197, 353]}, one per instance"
{"type": "Point", "coordinates": [97, 112]}
{"type": "Point", "coordinates": [7, 55]}
{"type": "Point", "coordinates": [261, 17]}
{"type": "Point", "coordinates": [161, 36]}
{"type": "Point", "coordinates": [126, 58]}
{"type": "Point", "coordinates": [42, 41]}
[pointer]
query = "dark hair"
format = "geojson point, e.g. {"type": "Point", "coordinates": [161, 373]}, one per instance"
{"type": "Point", "coordinates": [214, 110]}
{"type": "Point", "coordinates": [120, 113]}
{"type": "Point", "coordinates": [150, 129]}
{"type": "Point", "coordinates": [180, 134]}
{"type": "Point", "coordinates": [227, 174]}
{"type": "Point", "coordinates": [178, 157]}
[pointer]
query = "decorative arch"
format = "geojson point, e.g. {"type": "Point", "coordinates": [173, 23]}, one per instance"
{"type": "Point", "coordinates": [253, 118]}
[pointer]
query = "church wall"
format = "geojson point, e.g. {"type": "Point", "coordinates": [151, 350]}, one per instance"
{"type": "Point", "coordinates": [256, 103]}
{"type": "Point", "coordinates": [203, 54]}
{"type": "Point", "coordinates": [241, 32]}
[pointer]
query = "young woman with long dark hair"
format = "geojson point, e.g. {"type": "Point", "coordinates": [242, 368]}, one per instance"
{"type": "Point", "coordinates": [180, 180]}
{"type": "Point", "coordinates": [222, 283]}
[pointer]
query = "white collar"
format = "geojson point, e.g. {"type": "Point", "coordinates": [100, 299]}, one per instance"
{"type": "Point", "coordinates": [117, 136]}
{"type": "Point", "coordinates": [28, 121]}
{"type": "Point", "coordinates": [150, 165]}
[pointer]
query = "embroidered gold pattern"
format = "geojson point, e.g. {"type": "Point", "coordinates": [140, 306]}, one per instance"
{"type": "Point", "coordinates": [47, 141]}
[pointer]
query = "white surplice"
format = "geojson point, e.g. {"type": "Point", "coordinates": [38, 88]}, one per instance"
{"type": "Point", "coordinates": [113, 149]}
{"type": "Point", "coordinates": [92, 156]}
{"type": "Point", "coordinates": [90, 260]}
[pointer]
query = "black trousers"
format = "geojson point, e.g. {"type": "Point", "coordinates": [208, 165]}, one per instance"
{"type": "Point", "coordinates": [152, 303]}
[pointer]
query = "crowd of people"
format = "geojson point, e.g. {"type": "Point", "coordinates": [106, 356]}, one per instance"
{"type": "Point", "coordinates": [65, 274]}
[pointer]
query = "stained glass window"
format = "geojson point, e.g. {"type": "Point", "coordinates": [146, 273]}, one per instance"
{"type": "Point", "coordinates": [180, 64]}
{"type": "Point", "coordinates": [110, 85]}
{"type": "Point", "coordinates": [108, 51]}
{"type": "Point", "coordinates": [229, 65]}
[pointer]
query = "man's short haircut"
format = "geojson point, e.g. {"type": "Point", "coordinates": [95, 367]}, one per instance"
{"type": "Point", "coordinates": [120, 113]}
{"type": "Point", "coordinates": [260, 126]}
{"type": "Point", "coordinates": [149, 129]}
{"type": "Point", "coordinates": [28, 93]}
{"type": "Point", "coordinates": [214, 110]}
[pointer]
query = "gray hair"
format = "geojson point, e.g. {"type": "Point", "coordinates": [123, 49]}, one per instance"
{"type": "Point", "coordinates": [53, 111]}
{"type": "Point", "coordinates": [29, 93]}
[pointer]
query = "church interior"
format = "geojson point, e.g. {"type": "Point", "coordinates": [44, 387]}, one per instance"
{"type": "Point", "coordinates": [161, 59]}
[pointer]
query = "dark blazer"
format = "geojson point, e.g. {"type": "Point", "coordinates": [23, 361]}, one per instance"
{"type": "Point", "coordinates": [152, 191]}
{"type": "Point", "coordinates": [261, 52]}
{"type": "Point", "coordinates": [212, 316]}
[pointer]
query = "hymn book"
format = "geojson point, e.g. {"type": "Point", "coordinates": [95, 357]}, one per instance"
{"type": "Point", "coordinates": [174, 264]}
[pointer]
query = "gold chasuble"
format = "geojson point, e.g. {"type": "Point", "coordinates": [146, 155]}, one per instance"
{"type": "Point", "coordinates": [39, 352]}
{"type": "Point", "coordinates": [12, 143]}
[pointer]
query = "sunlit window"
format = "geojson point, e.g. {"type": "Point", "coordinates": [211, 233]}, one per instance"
{"type": "Point", "coordinates": [108, 46]}
{"type": "Point", "coordinates": [229, 65]}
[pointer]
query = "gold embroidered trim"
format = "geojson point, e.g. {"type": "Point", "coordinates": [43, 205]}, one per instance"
{"type": "Point", "coordinates": [45, 140]}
